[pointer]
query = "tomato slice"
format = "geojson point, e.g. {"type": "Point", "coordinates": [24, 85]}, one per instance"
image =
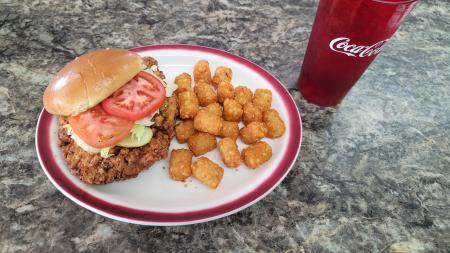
{"type": "Point", "coordinates": [140, 97]}
{"type": "Point", "coordinates": [99, 129]}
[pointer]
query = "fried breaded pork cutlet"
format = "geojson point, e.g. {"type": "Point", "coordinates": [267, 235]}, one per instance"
{"type": "Point", "coordinates": [116, 114]}
{"type": "Point", "coordinates": [124, 163]}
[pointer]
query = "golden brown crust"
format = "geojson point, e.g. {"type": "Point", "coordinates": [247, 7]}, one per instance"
{"type": "Point", "coordinates": [188, 103]}
{"type": "Point", "coordinates": [251, 113]}
{"type": "Point", "coordinates": [202, 72]}
{"type": "Point", "coordinates": [183, 82]}
{"type": "Point", "coordinates": [180, 164]}
{"type": "Point", "coordinates": [214, 108]}
{"type": "Point", "coordinates": [200, 143]}
{"type": "Point", "coordinates": [184, 130]}
{"type": "Point", "coordinates": [256, 154]}
{"type": "Point", "coordinates": [230, 129]}
{"type": "Point", "coordinates": [253, 132]}
{"type": "Point", "coordinates": [222, 74]}
{"type": "Point", "coordinates": [125, 162]}
{"type": "Point", "coordinates": [207, 122]}
{"type": "Point", "coordinates": [149, 62]}
{"type": "Point", "coordinates": [205, 93]}
{"type": "Point", "coordinates": [263, 99]}
{"type": "Point", "coordinates": [229, 152]}
{"type": "Point", "coordinates": [243, 95]}
{"type": "Point", "coordinates": [224, 90]}
{"type": "Point", "coordinates": [232, 110]}
{"type": "Point", "coordinates": [207, 172]}
{"type": "Point", "coordinates": [275, 125]}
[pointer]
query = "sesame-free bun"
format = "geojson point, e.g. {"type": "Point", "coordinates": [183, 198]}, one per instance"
{"type": "Point", "coordinates": [89, 79]}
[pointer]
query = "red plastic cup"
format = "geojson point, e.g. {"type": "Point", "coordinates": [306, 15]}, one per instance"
{"type": "Point", "coordinates": [346, 37]}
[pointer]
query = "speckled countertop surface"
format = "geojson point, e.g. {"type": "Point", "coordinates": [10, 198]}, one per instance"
{"type": "Point", "coordinates": [373, 175]}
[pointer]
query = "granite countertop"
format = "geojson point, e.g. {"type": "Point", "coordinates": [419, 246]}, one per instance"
{"type": "Point", "coordinates": [372, 175]}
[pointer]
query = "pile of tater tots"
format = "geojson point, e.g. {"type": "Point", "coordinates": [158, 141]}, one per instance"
{"type": "Point", "coordinates": [214, 108]}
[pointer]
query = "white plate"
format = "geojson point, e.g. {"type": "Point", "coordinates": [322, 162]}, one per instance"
{"type": "Point", "coordinates": [154, 199]}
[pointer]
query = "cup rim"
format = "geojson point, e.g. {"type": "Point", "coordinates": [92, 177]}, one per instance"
{"type": "Point", "coordinates": [395, 1]}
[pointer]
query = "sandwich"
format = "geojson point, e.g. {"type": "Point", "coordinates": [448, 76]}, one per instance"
{"type": "Point", "coordinates": [116, 114]}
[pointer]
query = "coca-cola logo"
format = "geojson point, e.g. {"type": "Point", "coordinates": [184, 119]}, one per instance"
{"type": "Point", "coordinates": [343, 45]}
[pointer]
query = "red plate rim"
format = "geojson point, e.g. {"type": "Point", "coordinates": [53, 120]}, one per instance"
{"type": "Point", "coordinates": [126, 214]}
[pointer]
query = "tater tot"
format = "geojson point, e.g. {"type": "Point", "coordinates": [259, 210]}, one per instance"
{"type": "Point", "coordinates": [208, 172]}
{"type": "Point", "coordinates": [222, 74]}
{"type": "Point", "coordinates": [243, 95]}
{"type": "Point", "coordinates": [200, 143]}
{"type": "Point", "coordinates": [253, 132]}
{"type": "Point", "coordinates": [275, 125]}
{"type": "Point", "coordinates": [208, 122]}
{"type": "Point", "coordinates": [232, 110]}
{"type": "Point", "coordinates": [224, 90]}
{"type": "Point", "coordinates": [180, 164]}
{"type": "Point", "coordinates": [188, 103]}
{"type": "Point", "coordinates": [256, 154]}
{"type": "Point", "coordinates": [229, 152]}
{"type": "Point", "coordinates": [214, 108]}
{"type": "Point", "coordinates": [202, 72]}
{"type": "Point", "coordinates": [184, 130]}
{"type": "Point", "coordinates": [230, 129]}
{"type": "Point", "coordinates": [263, 99]}
{"type": "Point", "coordinates": [183, 82]}
{"type": "Point", "coordinates": [251, 113]}
{"type": "Point", "coordinates": [205, 93]}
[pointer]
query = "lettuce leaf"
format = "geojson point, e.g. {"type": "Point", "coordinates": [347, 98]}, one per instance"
{"type": "Point", "coordinates": [68, 129]}
{"type": "Point", "coordinates": [86, 147]}
{"type": "Point", "coordinates": [104, 152]}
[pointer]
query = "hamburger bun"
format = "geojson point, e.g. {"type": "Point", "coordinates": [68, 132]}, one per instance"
{"type": "Point", "coordinates": [89, 79]}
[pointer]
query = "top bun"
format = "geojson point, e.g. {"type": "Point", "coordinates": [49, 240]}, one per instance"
{"type": "Point", "coordinates": [89, 79]}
